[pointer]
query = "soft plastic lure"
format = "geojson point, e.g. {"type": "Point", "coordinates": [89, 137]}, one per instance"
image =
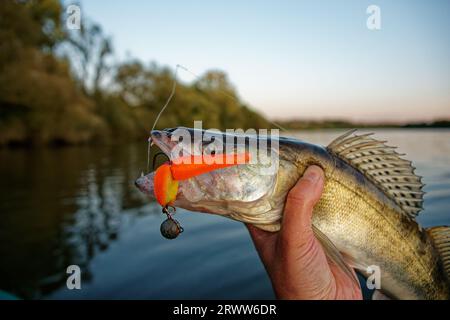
{"type": "Point", "coordinates": [167, 175]}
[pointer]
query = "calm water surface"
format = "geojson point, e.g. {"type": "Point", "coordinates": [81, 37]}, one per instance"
{"type": "Point", "coordinates": [78, 205]}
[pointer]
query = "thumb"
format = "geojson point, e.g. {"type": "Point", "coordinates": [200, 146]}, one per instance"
{"type": "Point", "coordinates": [296, 225]}
{"type": "Point", "coordinates": [306, 260]}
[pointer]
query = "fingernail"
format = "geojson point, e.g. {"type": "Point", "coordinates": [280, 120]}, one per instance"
{"type": "Point", "coordinates": [313, 174]}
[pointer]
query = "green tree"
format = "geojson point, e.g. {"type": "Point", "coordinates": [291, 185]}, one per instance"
{"type": "Point", "coordinates": [39, 101]}
{"type": "Point", "coordinates": [88, 49]}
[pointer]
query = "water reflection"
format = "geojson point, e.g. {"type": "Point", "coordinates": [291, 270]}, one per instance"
{"type": "Point", "coordinates": [60, 207]}
{"type": "Point", "coordinates": [79, 206]}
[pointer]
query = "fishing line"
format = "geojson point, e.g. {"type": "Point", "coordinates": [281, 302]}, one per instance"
{"type": "Point", "coordinates": [172, 93]}
{"type": "Point", "coordinates": [174, 86]}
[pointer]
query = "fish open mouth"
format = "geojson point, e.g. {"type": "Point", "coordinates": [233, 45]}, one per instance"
{"type": "Point", "coordinates": [162, 140]}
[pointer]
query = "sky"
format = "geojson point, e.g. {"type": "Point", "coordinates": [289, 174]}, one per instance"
{"type": "Point", "coordinates": [298, 59]}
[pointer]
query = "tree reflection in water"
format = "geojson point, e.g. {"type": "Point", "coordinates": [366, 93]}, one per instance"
{"type": "Point", "coordinates": [60, 207]}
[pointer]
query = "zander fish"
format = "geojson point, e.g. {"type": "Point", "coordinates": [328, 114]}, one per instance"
{"type": "Point", "coordinates": [365, 217]}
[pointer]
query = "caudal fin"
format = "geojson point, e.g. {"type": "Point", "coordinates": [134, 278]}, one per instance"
{"type": "Point", "coordinates": [441, 240]}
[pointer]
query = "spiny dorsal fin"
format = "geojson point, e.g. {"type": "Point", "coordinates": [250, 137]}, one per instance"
{"type": "Point", "coordinates": [383, 166]}
{"type": "Point", "coordinates": [441, 240]}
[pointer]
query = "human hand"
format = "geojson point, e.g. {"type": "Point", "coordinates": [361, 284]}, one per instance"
{"type": "Point", "coordinates": [293, 257]}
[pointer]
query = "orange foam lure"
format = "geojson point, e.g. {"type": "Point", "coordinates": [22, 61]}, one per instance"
{"type": "Point", "coordinates": [167, 175]}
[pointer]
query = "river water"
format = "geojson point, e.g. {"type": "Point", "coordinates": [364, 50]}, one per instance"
{"type": "Point", "coordinates": [79, 206]}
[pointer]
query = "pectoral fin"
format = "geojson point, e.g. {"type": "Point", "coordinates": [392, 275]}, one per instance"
{"type": "Point", "coordinates": [333, 253]}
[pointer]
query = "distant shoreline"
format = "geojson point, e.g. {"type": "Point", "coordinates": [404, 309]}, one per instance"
{"type": "Point", "coordinates": [349, 126]}
{"type": "Point", "coordinates": [338, 124]}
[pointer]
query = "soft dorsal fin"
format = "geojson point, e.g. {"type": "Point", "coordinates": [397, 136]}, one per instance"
{"type": "Point", "coordinates": [383, 166]}
{"type": "Point", "coordinates": [441, 240]}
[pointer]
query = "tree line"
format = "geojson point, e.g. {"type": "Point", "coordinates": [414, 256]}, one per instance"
{"type": "Point", "coordinates": [60, 86]}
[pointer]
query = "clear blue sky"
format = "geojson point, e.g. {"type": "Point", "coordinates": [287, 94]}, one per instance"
{"type": "Point", "coordinates": [308, 59]}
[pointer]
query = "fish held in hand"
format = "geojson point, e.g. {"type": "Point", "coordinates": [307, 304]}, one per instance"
{"type": "Point", "coordinates": [365, 217]}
